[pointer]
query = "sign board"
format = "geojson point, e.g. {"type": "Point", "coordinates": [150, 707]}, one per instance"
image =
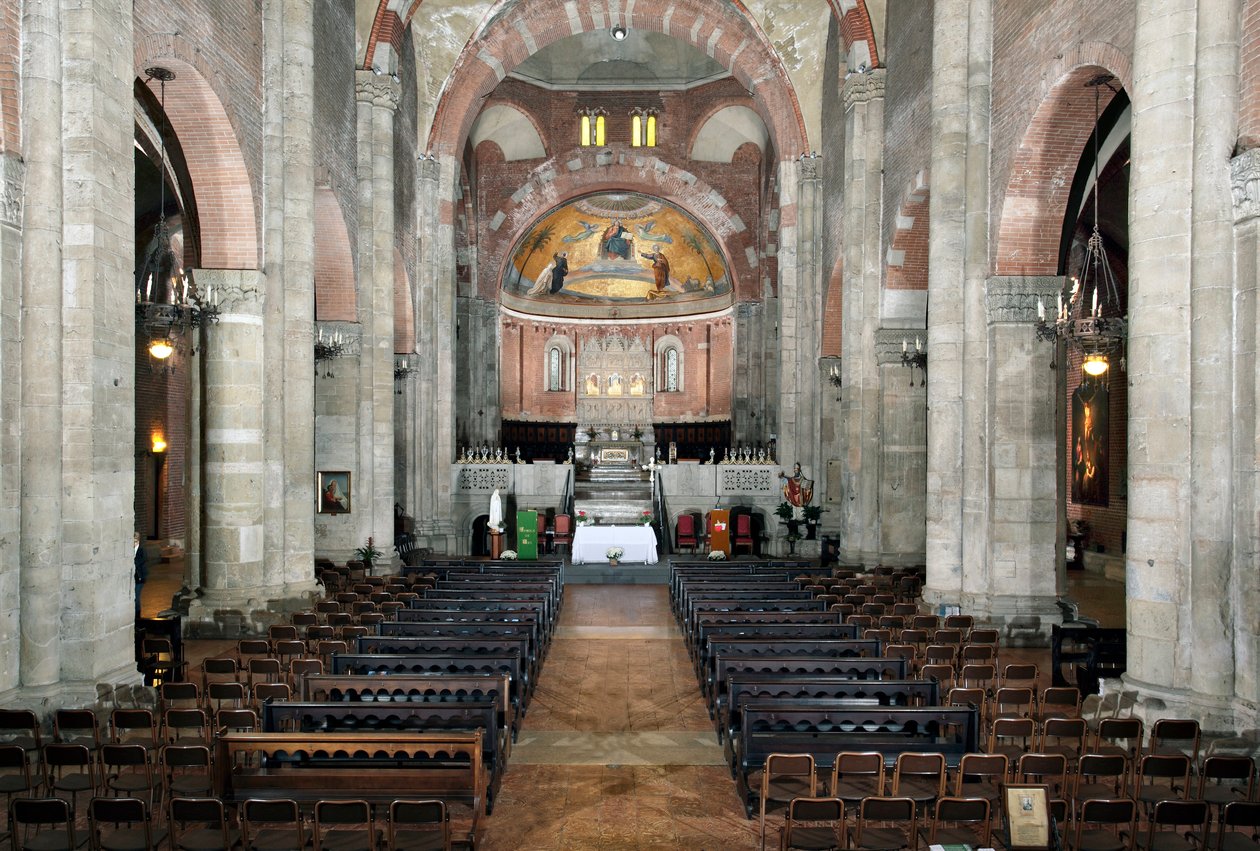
{"type": "Point", "coordinates": [1027, 815]}
{"type": "Point", "coordinates": [527, 535]}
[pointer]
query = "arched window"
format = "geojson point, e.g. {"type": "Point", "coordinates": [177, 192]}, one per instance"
{"type": "Point", "coordinates": [669, 365]}
{"type": "Point", "coordinates": [643, 128]}
{"type": "Point", "coordinates": [591, 127]}
{"type": "Point", "coordinates": [558, 364]}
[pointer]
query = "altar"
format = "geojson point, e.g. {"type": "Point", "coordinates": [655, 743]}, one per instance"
{"type": "Point", "coordinates": [591, 543]}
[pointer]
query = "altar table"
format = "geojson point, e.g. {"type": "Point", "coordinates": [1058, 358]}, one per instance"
{"type": "Point", "coordinates": [591, 543]}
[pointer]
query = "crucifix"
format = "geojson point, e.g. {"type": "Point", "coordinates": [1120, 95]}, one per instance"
{"type": "Point", "coordinates": [651, 466]}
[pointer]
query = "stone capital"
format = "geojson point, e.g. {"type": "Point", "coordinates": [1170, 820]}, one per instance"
{"type": "Point", "coordinates": [860, 88]}
{"type": "Point", "coordinates": [1013, 298]}
{"type": "Point", "coordinates": [888, 344]}
{"type": "Point", "coordinates": [12, 171]}
{"type": "Point", "coordinates": [809, 167]}
{"type": "Point", "coordinates": [377, 89]}
{"type": "Point", "coordinates": [1244, 173]}
{"type": "Point", "coordinates": [232, 290]}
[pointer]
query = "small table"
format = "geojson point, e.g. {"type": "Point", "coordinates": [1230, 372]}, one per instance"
{"type": "Point", "coordinates": [591, 543]}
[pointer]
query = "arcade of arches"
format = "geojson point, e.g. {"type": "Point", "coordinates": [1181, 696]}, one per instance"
{"type": "Point", "coordinates": [426, 225]}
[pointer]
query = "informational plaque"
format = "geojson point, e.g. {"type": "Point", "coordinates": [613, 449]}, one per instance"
{"type": "Point", "coordinates": [527, 535]}
{"type": "Point", "coordinates": [1027, 817]}
{"type": "Point", "coordinates": [720, 530]}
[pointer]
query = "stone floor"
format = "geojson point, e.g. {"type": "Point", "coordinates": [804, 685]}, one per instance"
{"type": "Point", "coordinates": [617, 750]}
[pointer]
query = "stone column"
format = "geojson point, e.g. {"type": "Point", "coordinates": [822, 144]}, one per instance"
{"type": "Point", "coordinates": [95, 597]}
{"type": "Point", "coordinates": [296, 295]}
{"type": "Point", "coordinates": [900, 468]}
{"type": "Point", "coordinates": [236, 576]}
{"type": "Point", "coordinates": [1181, 621]}
{"type": "Point", "coordinates": [1245, 172]}
{"type": "Point", "coordinates": [40, 355]}
{"type": "Point", "coordinates": [947, 209]}
{"type": "Point", "coordinates": [1015, 584]}
{"type": "Point", "coordinates": [11, 179]}
{"type": "Point", "coordinates": [434, 448]}
{"type": "Point", "coordinates": [863, 283]}
{"type": "Point", "coordinates": [800, 318]}
{"type": "Point", "coordinates": [377, 96]}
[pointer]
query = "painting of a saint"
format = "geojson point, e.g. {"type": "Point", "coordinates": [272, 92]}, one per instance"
{"type": "Point", "coordinates": [615, 243]}
{"type": "Point", "coordinates": [592, 385]}
{"type": "Point", "coordinates": [1089, 444]}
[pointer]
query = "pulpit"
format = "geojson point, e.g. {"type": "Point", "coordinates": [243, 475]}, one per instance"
{"type": "Point", "coordinates": [720, 531]}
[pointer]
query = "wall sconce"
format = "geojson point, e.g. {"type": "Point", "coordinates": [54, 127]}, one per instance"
{"type": "Point", "coordinates": [833, 375]}
{"type": "Point", "coordinates": [158, 443]}
{"type": "Point", "coordinates": [915, 360]}
{"type": "Point", "coordinates": [618, 33]}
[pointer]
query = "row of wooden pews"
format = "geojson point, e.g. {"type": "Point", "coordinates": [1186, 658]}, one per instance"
{"type": "Point", "coordinates": [784, 669]}
{"type": "Point", "coordinates": [424, 702]}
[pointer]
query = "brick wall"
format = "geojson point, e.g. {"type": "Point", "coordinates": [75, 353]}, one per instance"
{"type": "Point", "coordinates": [10, 64]}
{"type": "Point", "coordinates": [907, 126]}
{"type": "Point", "coordinates": [162, 409]}
{"type": "Point", "coordinates": [334, 260]}
{"type": "Point", "coordinates": [1249, 81]}
{"type": "Point", "coordinates": [832, 175]}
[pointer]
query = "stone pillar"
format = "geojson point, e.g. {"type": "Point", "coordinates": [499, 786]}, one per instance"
{"type": "Point", "coordinates": [11, 212]}
{"type": "Point", "coordinates": [863, 282]}
{"type": "Point", "coordinates": [296, 290]}
{"type": "Point", "coordinates": [40, 355]}
{"type": "Point", "coordinates": [1180, 613]}
{"type": "Point", "coordinates": [377, 96]}
{"type": "Point", "coordinates": [93, 604]}
{"type": "Point", "coordinates": [800, 318]}
{"type": "Point", "coordinates": [434, 412]}
{"type": "Point", "coordinates": [900, 463]}
{"type": "Point", "coordinates": [1245, 172]}
{"type": "Point", "coordinates": [1015, 585]}
{"type": "Point", "coordinates": [947, 208]}
{"type": "Point", "coordinates": [233, 472]}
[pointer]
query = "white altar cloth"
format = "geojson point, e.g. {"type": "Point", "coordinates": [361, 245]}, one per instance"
{"type": "Point", "coordinates": [591, 543]}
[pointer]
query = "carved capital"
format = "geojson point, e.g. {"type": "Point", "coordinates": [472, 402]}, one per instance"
{"type": "Point", "coordinates": [377, 89]}
{"type": "Point", "coordinates": [1244, 172]}
{"type": "Point", "coordinates": [1013, 298]}
{"type": "Point", "coordinates": [860, 88]}
{"type": "Point", "coordinates": [12, 172]}
{"type": "Point", "coordinates": [351, 335]}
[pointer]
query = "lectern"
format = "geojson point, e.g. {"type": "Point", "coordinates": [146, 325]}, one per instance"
{"type": "Point", "coordinates": [720, 531]}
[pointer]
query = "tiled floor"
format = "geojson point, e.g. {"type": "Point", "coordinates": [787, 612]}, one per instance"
{"type": "Point", "coordinates": [617, 750]}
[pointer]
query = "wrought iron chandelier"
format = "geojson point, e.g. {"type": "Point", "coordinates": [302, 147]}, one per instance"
{"type": "Point", "coordinates": [1089, 317]}
{"type": "Point", "coordinates": [168, 302]}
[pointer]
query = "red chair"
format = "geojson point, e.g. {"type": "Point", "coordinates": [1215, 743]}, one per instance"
{"type": "Point", "coordinates": [685, 532]}
{"type": "Point", "coordinates": [542, 532]}
{"type": "Point", "coordinates": [564, 532]}
{"type": "Point", "coordinates": [743, 533]}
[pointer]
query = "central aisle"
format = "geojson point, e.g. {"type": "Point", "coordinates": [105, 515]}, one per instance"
{"type": "Point", "coordinates": [617, 750]}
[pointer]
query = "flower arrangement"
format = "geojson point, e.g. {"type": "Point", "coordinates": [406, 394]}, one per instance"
{"type": "Point", "coordinates": [508, 555]}
{"type": "Point", "coordinates": [813, 513]}
{"type": "Point", "coordinates": [368, 552]}
{"type": "Point", "coordinates": [584, 519]}
{"type": "Point", "coordinates": [784, 510]}
{"type": "Point", "coordinates": [614, 553]}
{"type": "Point", "coordinates": [717, 555]}
{"type": "Point", "coordinates": [645, 517]}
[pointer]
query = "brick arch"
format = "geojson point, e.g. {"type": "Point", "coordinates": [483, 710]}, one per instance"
{"type": "Point", "coordinates": [1038, 179]}
{"type": "Point", "coordinates": [516, 30]}
{"type": "Point", "coordinates": [404, 313]}
{"type": "Point", "coordinates": [220, 181]}
{"type": "Point", "coordinates": [1249, 78]}
{"type": "Point", "coordinates": [335, 294]}
{"type": "Point", "coordinates": [856, 29]}
{"type": "Point", "coordinates": [833, 313]}
{"type": "Point", "coordinates": [541, 195]}
{"type": "Point", "coordinates": [10, 62]}
{"type": "Point", "coordinates": [907, 259]}
{"type": "Point", "coordinates": [702, 119]}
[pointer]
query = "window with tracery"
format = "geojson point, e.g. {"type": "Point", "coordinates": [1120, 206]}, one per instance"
{"type": "Point", "coordinates": [671, 370]}
{"type": "Point", "coordinates": [643, 128]}
{"type": "Point", "coordinates": [591, 128]}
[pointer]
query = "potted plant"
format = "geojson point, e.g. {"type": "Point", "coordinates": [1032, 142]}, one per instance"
{"type": "Point", "coordinates": [789, 516]}
{"type": "Point", "coordinates": [368, 553]}
{"type": "Point", "coordinates": [584, 519]}
{"type": "Point", "coordinates": [614, 555]}
{"type": "Point", "coordinates": [645, 517]}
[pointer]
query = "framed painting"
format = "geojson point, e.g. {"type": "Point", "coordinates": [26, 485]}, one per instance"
{"type": "Point", "coordinates": [333, 495]}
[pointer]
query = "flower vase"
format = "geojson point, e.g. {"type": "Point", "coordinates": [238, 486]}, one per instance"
{"type": "Point", "coordinates": [811, 531]}
{"type": "Point", "coordinates": [612, 562]}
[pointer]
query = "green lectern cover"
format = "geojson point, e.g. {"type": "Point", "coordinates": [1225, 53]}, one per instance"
{"type": "Point", "coordinates": [527, 535]}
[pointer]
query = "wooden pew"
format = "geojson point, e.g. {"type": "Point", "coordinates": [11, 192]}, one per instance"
{"type": "Point", "coordinates": [850, 668]}
{"type": "Point", "coordinates": [525, 618]}
{"type": "Point", "coordinates": [437, 663]}
{"type": "Point", "coordinates": [416, 687]}
{"type": "Point", "coordinates": [462, 715]}
{"type": "Point", "coordinates": [710, 632]}
{"type": "Point", "coordinates": [743, 689]}
{"type": "Point", "coordinates": [761, 646]}
{"type": "Point", "coordinates": [378, 767]}
{"type": "Point", "coordinates": [691, 588]}
{"type": "Point", "coordinates": [822, 729]}
{"type": "Point", "coordinates": [460, 645]}
{"type": "Point", "coordinates": [509, 588]}
{"type": "Point", "coordinates": [539, 608]}
{"type": "Point", "coordinates": [738, 607]}
{"type": "Point", "coordinates": [446, 629]}
{"type": "Point", "coordinates": [517, 600]}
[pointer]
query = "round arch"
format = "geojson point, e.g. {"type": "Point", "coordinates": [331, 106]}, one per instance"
{"type": "Point", "coordinates": [516, 30]}
{"type": "Point", "coordinates": [335, 294]}
{"type": "Point", "coordinates": [228, 227]}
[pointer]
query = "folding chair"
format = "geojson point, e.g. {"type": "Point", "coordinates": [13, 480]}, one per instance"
{"type": "Point", "coordinates": [15, 774]}
{"type": "Point", "coordinates": [1064, 736]}
{"type": "Point", "coordinates": [77, 727]}
{"type": "Point", "coordinates": [1099, 776]}
{"type": "Point", "coordinates": [1161, 777]}
{"type": "Point", "coordinates": [919, 777]}
{"type": "Point", "coordinates": [186, 771]}
{"type": "Point", "coordinates": [1238, 814]}
{"type": "Point", "coordinates": [784, 777]}
{"type": "Point", "coordinates": [885, 824]}
{"type": "Point", "coordinates": [70, 769]}
{"type": "Point", "coordinates": [1121, 736]}
{"type": "Point", "coordinates": [1176, 736]}
{"type": "Point", "coordinates": [1105, 825]}
{"type": "Point", "coordinates": [960, 821]}
{"type": "Point", "coordinates": [1012, 737]}
{"type": "Point", "coordinates": [1174, 825]}
{"type": "Point", "coordinates": [200, 824]}
{"type": "Point", "coordinates": [1049, 769]}
{"type": "Point", "coordinates": [43, 824]}
{"type": "Point", "coordinates": [813, 824]}
{"type": "Point", "coordinates": [272, 825]}
{"type": "Point", "coordinates": [128, 771]}
{"type": "Point", "coordinates": [981, 775]}
{"type": "Point", "coordinates": [345, 826]}
{"type": "Point", "coordinates": [418, 826]}
{"type": "Point", "coordinates": [1224, 779]}
{"type": "Point", "coordinates": [856, 775]}
{"type": "Point", "coordinates": [122, 824]}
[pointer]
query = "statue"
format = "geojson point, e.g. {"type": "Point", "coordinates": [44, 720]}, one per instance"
{"type": "Point", "coordinates": [518, 456]}
{"type": "Point", "coordinates": [569, 459]}
{"type": "Point", "coordinates": [798, 491]}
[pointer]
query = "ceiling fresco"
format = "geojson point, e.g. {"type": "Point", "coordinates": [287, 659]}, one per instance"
{"type": "Point", "coordinates": [617, 249]}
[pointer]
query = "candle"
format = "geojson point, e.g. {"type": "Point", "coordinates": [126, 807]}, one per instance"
{"type": "Point", "coordinates": [1041, 309]}
{"type": "Point", "coordinates": [148, 288]}
{"type": "Point", "coordinates": [321, 335]}
{"type": "Point", "coordinates": [1059, 309]}
{"type": "Point", "coordinates": [917, 347]}
{"type": "Point", "coordinates": [1094, 307]}
{"type": "Point", "coordinates": [903, 345]}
